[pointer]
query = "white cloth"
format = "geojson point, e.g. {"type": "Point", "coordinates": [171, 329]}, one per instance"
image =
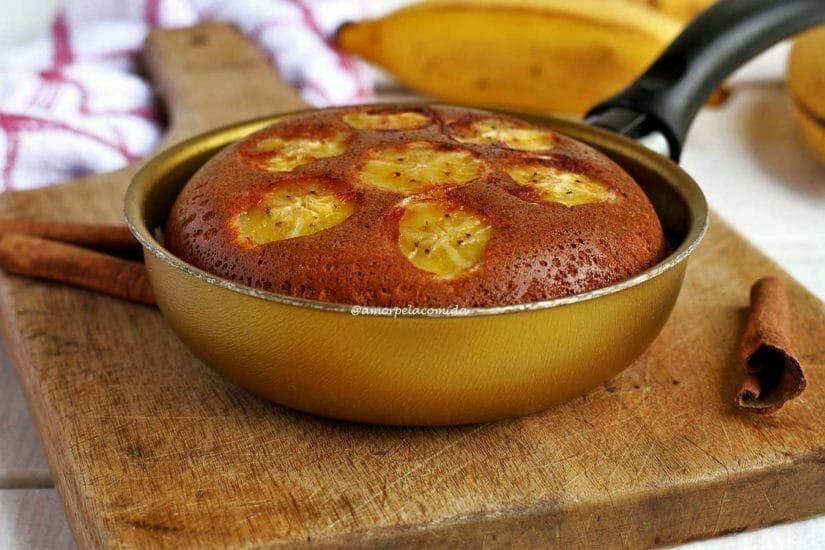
{"type": "Point", "coordinates": [73, 102]}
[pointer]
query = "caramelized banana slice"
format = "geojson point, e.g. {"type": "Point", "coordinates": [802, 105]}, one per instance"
{"type": "Point", "coordinates": [554, 185]}
{"type": "Point", "coordinates": [282, 154]}
{"type": "Point", "coordinates": [441, 239]}
{"type": "Point", "coordinates": [503, 133]}
{"type": "Point", "coordinates": [386, 120]}
{"type": "Point", "coordinates": [419, 166]}
{"type": "Point", "coordinates": [292, 211]}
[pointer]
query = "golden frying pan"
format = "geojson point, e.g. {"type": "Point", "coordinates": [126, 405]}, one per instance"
{"type": "Point", "coordinates": [482, 364]}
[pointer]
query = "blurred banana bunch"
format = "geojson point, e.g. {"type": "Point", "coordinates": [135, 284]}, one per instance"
{"type": "Point", "coordinates": [558, 56]}
{"type": "Point", "coordinates": [538, 55]}
{"type": "Point", "coordinates": [684, 10]}
{"type": "Point", "coordinates": [806, 87]}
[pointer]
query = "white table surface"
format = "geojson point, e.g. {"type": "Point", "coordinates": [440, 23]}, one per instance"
{"type": "Point", "coordinates": [752, 165]}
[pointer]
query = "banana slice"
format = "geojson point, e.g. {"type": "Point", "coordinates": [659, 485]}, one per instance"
{"type": "Point", "coordinates": [554, 185]}
{"type": "Point", "coordinates": [441, 239]}
{"type": "Point", "coordinates": [292, 211]}
{"type": "Point", "coordinates": [419, 166]}
{"type": "Point", "coordinates": [386, 120]}
{"type": "Point", "coordinates": [503, 133]}
{"type": "Point", "coordinates": [282, 154]}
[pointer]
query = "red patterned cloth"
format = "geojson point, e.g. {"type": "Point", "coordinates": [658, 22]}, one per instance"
{"type": "Point", "coordinates": [73, 102]}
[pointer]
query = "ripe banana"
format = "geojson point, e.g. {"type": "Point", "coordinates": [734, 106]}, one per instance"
{"type": "Point", "coordinates": [292, 211]}
{"type": "Point", "coordinates": [283, 154]}
{"type": "Point", "coordinates": [684, 10]}
{"type": "Point", "coordinates": [417, 166]}
{"type": "Point", "coordinates": [806, 86]}
{"type": "Point", "coordinates": [540, 55]}
{"type": "Point", "coordinates": [441, 239]}
{"type": "Point", "coordinates": [502, 132]}
{"type": "Point", "coordinates": [552, 185]}
{"type": "Point", "coordinates": [389, 121]}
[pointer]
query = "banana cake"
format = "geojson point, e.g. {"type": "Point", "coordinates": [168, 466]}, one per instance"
{"type": "Point", "coordinates": [426, 206]}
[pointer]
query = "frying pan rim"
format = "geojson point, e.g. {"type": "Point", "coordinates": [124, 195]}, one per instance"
{"type": "Point", "coordinates": [146, 177]}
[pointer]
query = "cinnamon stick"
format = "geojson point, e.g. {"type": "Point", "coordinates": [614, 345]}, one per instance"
{"type": "Point", "coordinates": [76, 266]}
{"type": "Point", "coordinates": [773, 375]}
{"type": "Point", "coordinates": [106, 238]}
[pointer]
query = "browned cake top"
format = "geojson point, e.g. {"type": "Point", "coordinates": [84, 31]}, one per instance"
{"type": "Point", "coordinates": [422, 206]}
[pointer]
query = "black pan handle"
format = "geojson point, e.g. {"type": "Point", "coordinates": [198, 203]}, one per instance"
{"type": "Point", "coordinates": [662, 102]}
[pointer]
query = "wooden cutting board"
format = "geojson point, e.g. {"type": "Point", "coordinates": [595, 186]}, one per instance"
{"type": "Point", "coordinates": [150, 448]}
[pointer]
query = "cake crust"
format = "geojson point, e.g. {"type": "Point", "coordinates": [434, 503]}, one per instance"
{"type": "Point", "coordinates": [556, 216]}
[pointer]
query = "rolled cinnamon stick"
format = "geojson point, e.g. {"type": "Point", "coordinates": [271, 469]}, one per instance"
{"type": "Point", "coordinates": [773, 374]}
{"type": "Point", "coordinates": [106, 238]}
{"type": "Point", "coordinates": [76, 266]}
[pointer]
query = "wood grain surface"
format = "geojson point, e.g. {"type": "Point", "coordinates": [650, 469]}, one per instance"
{"type": "Point", "coordinates": [150, 448]}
